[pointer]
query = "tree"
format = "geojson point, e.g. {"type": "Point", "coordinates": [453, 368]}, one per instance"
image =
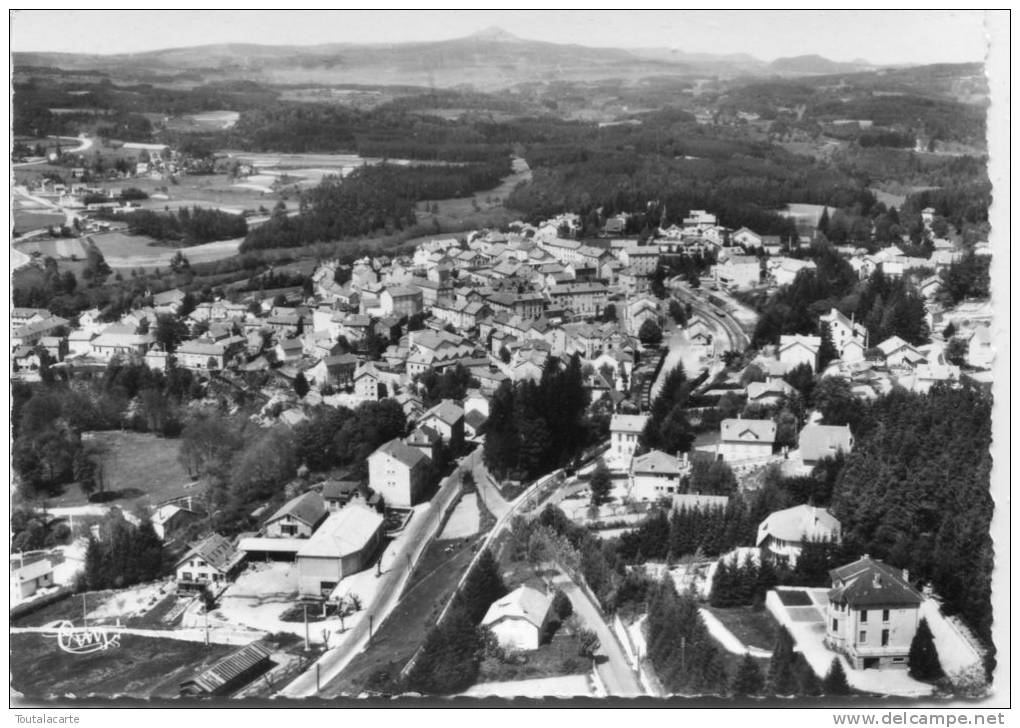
{"type": "Point", "coordinates": [561, 605]}
{"type": "Point", "coordinates": [782, 678]}
{"type": "Point", "coordinates": [609, 313]}
{"type": "Point", "coordinates": [589, 643]}
{"type": "Point", "coordinates": [748, 680]}
{"type": "Point", "coordinates": [601, 484]}
{"type": "Point", "coordinates": [827, 350]}
{"type": "Point", "coordinates": [923, 660]}
{"type": "Point", "coordinates": [956, 351]}
{"type": "Point", "coordinates": [170, 331]}
{"type": "Point", "coordinates": [823, 222]}
{"type": "Point", "coordinates": [835, 682]}
{"type": "Point", "coordinates": [301, 385]}
{"type": "Point", "coordinates": [650, 334]}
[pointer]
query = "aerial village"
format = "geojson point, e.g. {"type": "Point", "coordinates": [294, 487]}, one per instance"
{"type": "Point", "coordinates": [442, 330]}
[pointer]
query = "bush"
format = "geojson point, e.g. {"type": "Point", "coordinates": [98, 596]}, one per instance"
{"type": "Point", "coordinates": [561, 605]}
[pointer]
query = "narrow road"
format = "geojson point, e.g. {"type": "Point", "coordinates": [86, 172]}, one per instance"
{"type": "Point", "coordinates": [616, 674]}
{"type": "Point", "coordinates": [392, 583]}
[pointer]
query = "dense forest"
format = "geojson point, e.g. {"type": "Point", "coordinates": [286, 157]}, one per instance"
{"type": "Point", "coordinates": [185, 227]}
{"type": "Point", "coordinates": [536, 427]}
{"type": "Point", "coordinates": [915, 491]}
{"type": "Point", "coordinates": [370, 199]}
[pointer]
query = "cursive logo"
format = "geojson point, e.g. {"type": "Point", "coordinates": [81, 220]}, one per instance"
{"type": "Point", "coordinates": [85, 640]}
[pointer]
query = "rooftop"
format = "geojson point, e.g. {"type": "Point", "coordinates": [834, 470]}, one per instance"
{"type": "Point", "coordinates": [345, 532]}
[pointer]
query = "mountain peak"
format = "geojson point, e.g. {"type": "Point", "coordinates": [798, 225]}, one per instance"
{"type": "Point", "coordinates": [495, 34]}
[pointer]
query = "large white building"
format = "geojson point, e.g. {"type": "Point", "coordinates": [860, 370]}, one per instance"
{"type": "Point", "coordinates": [624, 434]}
{"type": "Point", "coordinates": [872, 615]}
{"type": "Point", "coordinates": [342, 545]}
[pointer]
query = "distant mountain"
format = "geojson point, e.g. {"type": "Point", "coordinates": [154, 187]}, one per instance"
{"type": "Point", "coordinates": [815, 64]}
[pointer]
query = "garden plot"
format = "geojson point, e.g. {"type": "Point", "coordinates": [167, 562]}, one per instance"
{"type": "Point", "coordinates": [133, 602]}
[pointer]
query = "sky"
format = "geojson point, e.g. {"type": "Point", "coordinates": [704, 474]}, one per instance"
{"type": "Point", "coordinates": [879, 36]}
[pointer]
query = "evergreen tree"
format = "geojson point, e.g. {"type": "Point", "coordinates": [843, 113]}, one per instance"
{"type": "Point", "coordinates": [301, 385]}
{"type": "Point", "coordinates": [823, 222]}
{"type": "Point", "coordinates": [483, 586]}
{"type": "Point", "coordinates": [827, 350]}
{"type": "Point", "coordinates": [748, 680]}
{"type": "Point", "coordinates": [782, 678]}
{"type": "Point", "coordinates": [923, 659]}
{"type": "Point", "coordinates": [835, 680]}
{"type": "Point", "coordinates": [600, 485]}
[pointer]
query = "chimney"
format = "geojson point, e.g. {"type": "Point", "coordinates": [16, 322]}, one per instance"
{"type": "Point", "coordinates": [906, 576]}
{"type": "Point", "coordinates": [877, 581]}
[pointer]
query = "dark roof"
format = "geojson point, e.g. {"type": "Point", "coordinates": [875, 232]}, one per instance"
{"type": "Point", "coordinates": [216, 551]}
{"type": "Point", "coordinates": [475, 419]}
{"type": "Point", "coordinates": [869, 582]}
{"type": "Point", "coordinates": [307, 508]}
{"type": "Point", "coordinates": [229, 668]}
{"type": "Point", "coordinates": [335, 489]}
{"type": "Point", "coordinates": [402, 452]}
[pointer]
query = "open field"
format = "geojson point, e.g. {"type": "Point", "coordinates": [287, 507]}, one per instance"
{"type": "Point", "coordinates": [143, 466]}
{"type": "Point", "coordinates": [204, 121]}
{"type": "Point", "coordinates": [141, 666]}
{"type": "Point", "coordinates": [26, 220]}
{"type": "Point", "coordinates": [202, 190]}
{"type": "Point", "coordinates": [53, 247]}
{"type": "Point", "coordinates": [122, 250]}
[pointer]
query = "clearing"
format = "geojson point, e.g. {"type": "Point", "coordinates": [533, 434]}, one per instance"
{"type": "Point", "coordinates": [464, 519]}
{"type": "Point", "coordinates": [140, 466]}
{"type": "Point", "coordinates": [557, 658]}
{"type": "Point", "coordinates": [564, 686]}
{"type": "Point", "coordinates": [143, 667]}
{"type": "Point", "coordinates": [122, 250]}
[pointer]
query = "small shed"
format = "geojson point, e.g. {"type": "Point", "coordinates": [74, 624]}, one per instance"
{"type": "Point", "coordinates": [231, 673]}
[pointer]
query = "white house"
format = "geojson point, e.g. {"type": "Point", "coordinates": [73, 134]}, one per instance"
{"type": "Point", "coordinates": [397, 472]}
{"type": "Point", "coordinates": [343, 545]}
{"type": "Point", "coordinates": [656, 474]}
{"type": "Point", "coordinates": [446, 418]}
{"type": "Point", "coordinates": [624, 433]}
{"type": "Point", "coordinates": [519, 619]}
{"type": "Point", "coordinates": [842, 330]}
{"type": "Point", "coordinates": [898, 352]}
{"type": "Point", "coordinates": [212, 561]}
{"type": "Point", "coordinates": [782, 533]}
{"type": "Point", "coordinates": [872, 615]}
{"type": "Point", "coordinates": [29, 578]}
{"type": "Point", "coordinates": [742, 439]}
{"type": "Point", "coordinates": [796, 350]}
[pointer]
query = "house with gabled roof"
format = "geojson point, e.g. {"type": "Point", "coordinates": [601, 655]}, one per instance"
{"type": "Point", "coordinates": [872, 614]}
{"type": "Point", "coordinates": [843, 331]}
{"type": "Point", "coordinates": [742, 439]}
{"type": "Point", "coordinates": [398, 473]}
{"type": "Point", "coordinates": [519, 619]}
{"type": "Point", "coordinates": [783, 532]}
{"type": "Point", "coordinates": [656, 474]}
{"type": "Point", "coordinates": [446, 418]}
{"type": "Point", "coordinates": [213, 562]}
{"type": "Point", "coordinates": [298, 517]}
{"type": "Point", "coordinates": [797, 349]}
{"type": "Point", "coordinates": [898, 352]}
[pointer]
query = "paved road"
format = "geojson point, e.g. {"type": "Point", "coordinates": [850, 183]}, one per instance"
{"type": "Point", "coordinates": [392, 583]}
{"type": "Point", "coordinates": [616, 674]}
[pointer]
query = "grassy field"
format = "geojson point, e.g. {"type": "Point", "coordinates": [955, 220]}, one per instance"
{"type": "Point", "coordinates": [27, 220]}
{"type": "Point", "coordinates": [122, 250]}
{"type": "Point", "coordinates": [143, 466]}
{"type": "Point", "coordinates": [755, 628]}
{"type": "Point", "coordinates": [140, 667]}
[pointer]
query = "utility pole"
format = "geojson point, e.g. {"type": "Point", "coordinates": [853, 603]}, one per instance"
{"type": "Point", "coordinates": [84, 612]}
{"type": "Point", "coordinates": [370, 629]}
{"type": "Point", "coordinates": [317, 685]}
{"type": "Point", "coordinates": [305, 608]}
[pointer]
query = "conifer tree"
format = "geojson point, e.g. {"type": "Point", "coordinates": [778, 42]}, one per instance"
{"type": "Point", "coordinates": [781, 679]}
{"type": "Point", "coordinates": [923, 659]}
{"type": "Point", "coordinates": [748, 680]}
{"type": "Point", "coordinates": [835, 682]}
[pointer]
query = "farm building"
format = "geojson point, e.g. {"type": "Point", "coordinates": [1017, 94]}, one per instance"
{"type": "Point", "coordinates": [213, 560]}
